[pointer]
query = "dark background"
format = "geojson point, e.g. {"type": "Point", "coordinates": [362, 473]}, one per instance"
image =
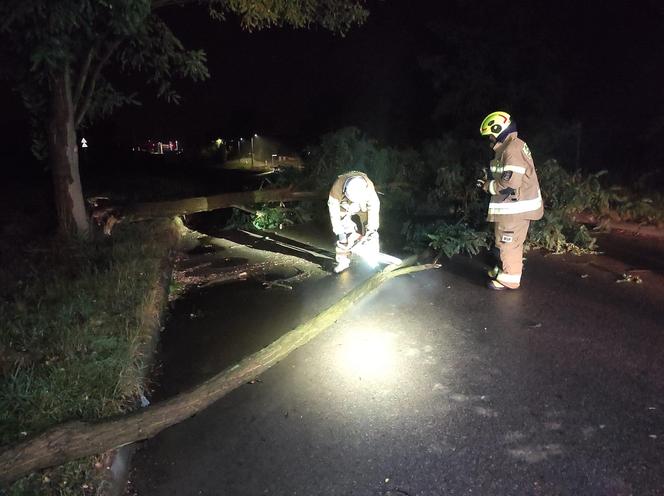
{"type": "Point", "coordinates": [587, 71]}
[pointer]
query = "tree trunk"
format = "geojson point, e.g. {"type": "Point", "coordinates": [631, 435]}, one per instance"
{"type": "Point", "coordinates": [63, 155]}
{"type": "Point", "coordinates": [607, 223]}
{"type": "Point", "coordinates": [78, 439]}
{"type": "Point", "coordinates": [143, 211]}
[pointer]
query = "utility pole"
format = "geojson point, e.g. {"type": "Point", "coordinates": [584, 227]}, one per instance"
{"type": "Point", "coordinates": [252, 149]}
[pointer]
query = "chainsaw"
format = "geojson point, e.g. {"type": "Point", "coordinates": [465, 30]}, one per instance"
{"type": "Point", "coordinates": [366, 247]}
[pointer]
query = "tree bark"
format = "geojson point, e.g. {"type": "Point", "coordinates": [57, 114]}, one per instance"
{"type": "Point", "coordinates": [78, 439]}
{"type": "Point", "coordinates": [63, 154]}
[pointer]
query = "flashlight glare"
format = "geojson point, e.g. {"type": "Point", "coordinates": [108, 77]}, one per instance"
{"type": "Point", "coordinates": [371, 261]}
{"type": "Point", "coordinates": [368, 353]}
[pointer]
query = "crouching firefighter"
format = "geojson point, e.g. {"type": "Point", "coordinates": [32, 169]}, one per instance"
{"type": "Point", "coordinates": [515, 197]}
{"type": "Point", "coordinates": [353, 194]}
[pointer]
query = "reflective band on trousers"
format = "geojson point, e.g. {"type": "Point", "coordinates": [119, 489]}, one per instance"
{"type": "Point", "coordinates": [509, 278]}
{"type": "Point", "coordinates": [517, 207]}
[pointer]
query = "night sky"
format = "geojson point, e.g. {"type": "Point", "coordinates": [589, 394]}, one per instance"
{"type": "Point", "coordinates": [417, 70]}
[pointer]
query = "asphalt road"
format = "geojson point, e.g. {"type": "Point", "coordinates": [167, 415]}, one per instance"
{"type": "Point", "coordinates": [433, 385]}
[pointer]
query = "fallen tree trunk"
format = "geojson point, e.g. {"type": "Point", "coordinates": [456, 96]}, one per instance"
{"type": "Point", "coordinates": [74, 440]}
{"type": "Point", "coordinates": [649, 231]}
{"type": "Point", "coordinates": [143, 211]}
{"type": "Point", "coordinates": [106, 215]}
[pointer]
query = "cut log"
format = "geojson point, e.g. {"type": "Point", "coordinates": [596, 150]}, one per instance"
{"type": "Point", "coordinates": [74, 440]}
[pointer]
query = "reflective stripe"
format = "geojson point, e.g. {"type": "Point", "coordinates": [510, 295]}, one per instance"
{"type": "Point", "coordinates": [334, 207]}
{"type": "Point", "coordinates": [496, 169]}
{"type": "Point", "coordinates": [515, 168]}
{"type": "Point", "coordinates": [517, 207]}
{"type": "Point", "coordinates": [509, 278]}
{"type": "Point", "coordinates": [492, 187]}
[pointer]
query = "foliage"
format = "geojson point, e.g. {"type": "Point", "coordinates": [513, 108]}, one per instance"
{"type": "Point", "coordinates": [649, 210]}
{"type": "Point", "coordinates": [267, 218]}
{"type": "Point", "coordinates": [344, 150]}
{"type": "Point", "coordinates": [272, 218]}
{"type": "Point", "coordinates": [576, 192]}
{"type": "Point", "coordinates": [73, 328]}
{"type": "Point", "coordinates": [81, 38]}
{"type": "Point", "coordinates": [557, 233]}
{"type": "Point", "coordinates": [453, 239]}
{"type": "Point", "coordinates": [572, 193]}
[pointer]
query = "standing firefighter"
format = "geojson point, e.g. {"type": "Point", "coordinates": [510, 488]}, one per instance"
{"type": "Point", "coordinates": [515, 197]}
{"type": "Point", "coordinates": [353, 194]}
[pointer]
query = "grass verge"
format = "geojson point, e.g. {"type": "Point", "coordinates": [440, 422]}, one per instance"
{"type": "Point", "coordinates": [75, 327]}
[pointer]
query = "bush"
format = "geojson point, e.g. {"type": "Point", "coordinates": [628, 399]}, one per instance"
{"type": "Point", "coordinates": [447, 239]}
{"type": "Point", "coordinates": [556, 233]}
{"type": "Point", "coordinates": [349, 149]}
{"type": "Point", "coordinates": [268, 218]}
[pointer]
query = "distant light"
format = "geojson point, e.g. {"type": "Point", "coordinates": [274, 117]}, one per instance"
{"type": "Point", "coordinates": [255, 136]}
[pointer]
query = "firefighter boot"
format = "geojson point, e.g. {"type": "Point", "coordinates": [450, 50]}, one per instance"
{"type": "Point", "coordinates": [342, 265]}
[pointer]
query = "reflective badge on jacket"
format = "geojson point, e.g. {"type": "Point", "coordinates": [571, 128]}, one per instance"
{"type": "Point", "coordinates": [526, 151]}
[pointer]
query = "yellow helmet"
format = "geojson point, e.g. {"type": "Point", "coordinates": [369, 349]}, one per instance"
{"type": "Point", "coordinates": [495, 123]}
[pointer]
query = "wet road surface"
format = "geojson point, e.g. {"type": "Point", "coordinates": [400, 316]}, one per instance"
{"type": "Point", "coordinates": [433, 385]}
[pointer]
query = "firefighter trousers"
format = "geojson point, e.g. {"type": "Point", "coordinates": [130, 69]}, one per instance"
{"type": "Point", "coordinates": [510, 237]}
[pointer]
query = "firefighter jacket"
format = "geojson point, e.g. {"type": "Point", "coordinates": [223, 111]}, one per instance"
{"type": "Point", "coordinates": [342, 209]}
{"type": "Point", "coordinates": [515, 192]}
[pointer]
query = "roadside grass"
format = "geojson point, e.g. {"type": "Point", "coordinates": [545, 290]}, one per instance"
{"type": "Point", "coordinates": [74, 328]}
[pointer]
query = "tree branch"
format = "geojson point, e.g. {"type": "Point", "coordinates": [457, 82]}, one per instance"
{"type": "Point", "coordinates": [83, 105]}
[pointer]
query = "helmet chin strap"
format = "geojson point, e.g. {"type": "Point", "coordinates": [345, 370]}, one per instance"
{"type": "Point", "coordinates": [508, 130]}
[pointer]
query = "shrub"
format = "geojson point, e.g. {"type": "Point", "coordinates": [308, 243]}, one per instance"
{"type": "Point", "coordinates": [447, 239]}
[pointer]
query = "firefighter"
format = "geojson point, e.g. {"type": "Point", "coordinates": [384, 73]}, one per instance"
{"type": "Point", "coordinates": [353, 194]}
{"type": "Point", "coordinates": [515, 197]}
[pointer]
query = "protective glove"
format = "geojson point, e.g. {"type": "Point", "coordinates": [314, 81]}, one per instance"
{"type": "Point", "coordinates": [481, 183]}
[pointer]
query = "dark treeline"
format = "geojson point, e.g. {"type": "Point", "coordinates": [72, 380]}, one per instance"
{"type": "Point", "coordinates": [581, 79]}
